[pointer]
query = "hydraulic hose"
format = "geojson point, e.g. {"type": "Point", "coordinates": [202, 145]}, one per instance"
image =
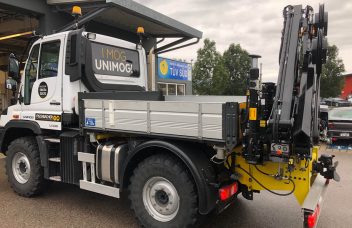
{"type": "Point", "coordinates": [275, 193]}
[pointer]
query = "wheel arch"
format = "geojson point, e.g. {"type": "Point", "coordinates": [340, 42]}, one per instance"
{"type": "Point", "coordinates": [21, 128]}
{"type": "Point", "coordinates": [190, 154]}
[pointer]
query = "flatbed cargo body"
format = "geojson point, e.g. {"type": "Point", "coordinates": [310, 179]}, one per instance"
{"type": "Point", "coordinates": [204, 121]}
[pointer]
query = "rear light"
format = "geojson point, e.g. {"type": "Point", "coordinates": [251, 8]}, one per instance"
{"type": "Point", "coordinates": [227, 191]}
{"type": "Point", "coordinates": [330, 125]}
{"type": "Point", "coordinates": [334, 139]}
{"type": "Point", "coordinates": [313, 218]}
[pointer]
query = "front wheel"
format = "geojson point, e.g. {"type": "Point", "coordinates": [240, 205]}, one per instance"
{"type": "Point", "coordinates": [23, 167]}
{"type": "Point", "coordinates": [162, 194]}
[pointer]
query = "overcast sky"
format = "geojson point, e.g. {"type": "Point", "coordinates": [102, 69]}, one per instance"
{"type": "Point", "coordinates": [256, 25]}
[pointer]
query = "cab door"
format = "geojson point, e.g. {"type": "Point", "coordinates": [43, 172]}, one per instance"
{"type": "Point", "coordinates": [42, 90]}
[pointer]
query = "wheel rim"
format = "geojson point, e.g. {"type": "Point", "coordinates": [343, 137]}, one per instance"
{"type": "Point", "coordinates": [161, 199]}
{"type": "Point", "coordinates": [21, 168]}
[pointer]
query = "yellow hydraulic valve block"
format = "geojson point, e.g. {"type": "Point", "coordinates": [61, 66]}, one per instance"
{"type": "Point", "coordinates": [275, 176]}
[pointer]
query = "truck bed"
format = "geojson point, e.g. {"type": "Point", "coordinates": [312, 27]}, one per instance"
{"type": "Point", "coordinates": [209, 121]}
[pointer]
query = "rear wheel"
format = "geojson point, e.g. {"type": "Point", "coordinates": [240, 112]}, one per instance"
{"type": "Point", "coordinates": [162, 193]}
{"type": "Point", "coordinates": [23, 167]}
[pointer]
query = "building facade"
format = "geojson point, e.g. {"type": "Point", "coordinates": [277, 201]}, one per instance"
{"type": "Point", "coordinates": [173, 77]}
{"type": "Point", "coordinates": [347, 89]}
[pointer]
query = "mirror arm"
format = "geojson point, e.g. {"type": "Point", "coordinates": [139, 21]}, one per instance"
{"type": "Point", "coordinates": [20, 98]}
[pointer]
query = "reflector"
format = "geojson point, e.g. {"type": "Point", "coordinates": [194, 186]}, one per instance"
{"type": "Point", "coordinates": [312, 218]}
{"type": "Point", "coordinates": [227, 191]}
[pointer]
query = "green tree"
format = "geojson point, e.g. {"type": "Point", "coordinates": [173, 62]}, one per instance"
{"type": "Point", "coordinates": [331, 82]}
{"type": "Point", "coordinates": [203, 69]}
{"type": "Point", "coordinates": [214, 74]}
{"type": "Point", "coordinates": [220, 78]}
{"type": "Point", "coordinates": [237, 63]}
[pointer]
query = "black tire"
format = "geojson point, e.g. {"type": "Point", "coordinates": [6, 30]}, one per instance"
{"type": "Point", "coordinates": [169, 168]}
{"type": "Point", "coordinates": [35, 184]}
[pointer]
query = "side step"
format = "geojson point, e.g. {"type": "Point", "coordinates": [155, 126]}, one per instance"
{"type": "Point", "coordinates": [52, 140]}
{"type": "Point", "coordinates": [99, 188]}
{"type": "Point", "coordinates": [88, 160]}
{"type": "Point", "coordinates": [55, 178]}
{"type": "Point", "coordinates": [55, 159]}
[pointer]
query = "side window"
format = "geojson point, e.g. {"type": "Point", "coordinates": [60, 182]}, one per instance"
{"type": "Point", "coordinates": [49, 59]}
{"type": "Point", "coordinates": [31, 73]}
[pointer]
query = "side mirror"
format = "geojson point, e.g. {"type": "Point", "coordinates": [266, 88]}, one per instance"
{"type": "Point", "coordinates": [13, 67]}
{"type": "Point", "coordinates": [11, 84]}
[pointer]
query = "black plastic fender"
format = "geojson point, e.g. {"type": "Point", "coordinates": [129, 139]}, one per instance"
{"type": "Point", "coordinates": [15, 129]}
{"type": "Point", "coordinates": [195, 159]}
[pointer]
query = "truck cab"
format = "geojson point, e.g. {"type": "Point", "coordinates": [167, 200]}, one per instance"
{"type": "Point", "coordinates": [52, 77]}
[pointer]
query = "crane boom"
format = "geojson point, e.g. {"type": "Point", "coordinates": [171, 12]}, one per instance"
{"type": "Point", "coordinates": [292, 126]}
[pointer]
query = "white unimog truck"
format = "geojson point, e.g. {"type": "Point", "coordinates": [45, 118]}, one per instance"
{"type": "Point", "coordinates": [83, 116]}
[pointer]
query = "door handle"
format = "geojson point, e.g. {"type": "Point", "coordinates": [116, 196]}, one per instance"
{"type": "Point", "coordinates": [54, 103]}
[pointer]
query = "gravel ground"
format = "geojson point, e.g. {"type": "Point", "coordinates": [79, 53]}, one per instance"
{"type": "Point", "coordinates": [68, 206]}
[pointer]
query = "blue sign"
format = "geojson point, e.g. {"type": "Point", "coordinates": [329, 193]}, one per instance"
{"type": "Point", "coordinates": [176, 70]}
{"type": "Point", "coordinates": [90, 122]}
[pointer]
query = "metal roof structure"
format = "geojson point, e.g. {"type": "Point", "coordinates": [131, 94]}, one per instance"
{"type": "Point", "coordinates": [123, 17]}
{"type": "Point", "coordinates": [117, 18]}
{"type": "Point", "coordinates": [128, 15]}
{"type": "Point", "coordinates": [157, 24]}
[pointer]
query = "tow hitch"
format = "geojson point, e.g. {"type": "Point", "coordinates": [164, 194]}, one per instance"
{"type": "Point", "coordinates": [326, 167]}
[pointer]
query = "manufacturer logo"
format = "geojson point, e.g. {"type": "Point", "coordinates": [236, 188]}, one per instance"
{"type": "Point", "coordinates": [28, 117]}
{"type": "Point", "coordinates": [47, 117]}
{"type": "Point", "coordinates": [115, 61]}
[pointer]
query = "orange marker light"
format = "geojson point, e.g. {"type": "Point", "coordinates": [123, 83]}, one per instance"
{"type": "Point", "coordinates": [140, 30]}
{"type": "Point", "coordinates": [76, 11]}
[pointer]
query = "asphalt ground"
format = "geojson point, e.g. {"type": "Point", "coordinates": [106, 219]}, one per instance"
{"type": "Point", "coordinates": [68, 206]}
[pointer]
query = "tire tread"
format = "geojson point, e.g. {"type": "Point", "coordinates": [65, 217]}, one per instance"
{"type": "Point", "coordinates": [155, 162]}
{"type": "Point", "coordinates": [37, 184]}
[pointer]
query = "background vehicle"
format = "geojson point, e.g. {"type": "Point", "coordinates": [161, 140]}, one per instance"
{"type": "Point", "coordinates": [340, 123]}
{"type": "Point", "coordinates": [85, 117]}
{"type": "Point", "coordinates": [336, 102]}
{"type": "Point", "coordinates": [324, 120]}
{"type": "Point", "coordinates": [349, 98]}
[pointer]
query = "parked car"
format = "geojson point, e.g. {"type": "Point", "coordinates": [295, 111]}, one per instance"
{"type": "Point", "coordinates": [336, 102]}
{"type": "Point", "coordinates": [340, 123]}
{"type": "Point", "coordinates": [323, 124]}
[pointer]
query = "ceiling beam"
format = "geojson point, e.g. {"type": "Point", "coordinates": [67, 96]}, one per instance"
{"type": "Point", "coordinates": [7, 48]}
{"type": "Point", "coordinates": [15, 26]}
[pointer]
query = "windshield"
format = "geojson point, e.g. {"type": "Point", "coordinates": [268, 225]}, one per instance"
{"type": "Point", "coordinates": [340, 114]}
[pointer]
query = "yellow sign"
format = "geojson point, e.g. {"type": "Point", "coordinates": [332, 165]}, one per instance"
{"type": "Point", "coordinates": [262, 123]}
{"type": "Point", "coordinates": [252, 113]}
{"type": "Point", "coordinates": [164, 67]}
{"type": "Point", "coordinates": [56, 118]}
